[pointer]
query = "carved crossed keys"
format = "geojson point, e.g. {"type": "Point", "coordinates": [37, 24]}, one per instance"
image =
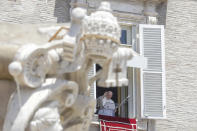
{"type": "Point", "coordinates": [54, 87]}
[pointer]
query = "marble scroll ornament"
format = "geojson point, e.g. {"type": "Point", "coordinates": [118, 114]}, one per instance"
{"type": "Point", "coordinates": [53, 88]}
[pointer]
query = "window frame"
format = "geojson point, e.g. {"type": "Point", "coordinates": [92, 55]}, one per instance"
{"type": "Point", "coordinates": [132, 106]}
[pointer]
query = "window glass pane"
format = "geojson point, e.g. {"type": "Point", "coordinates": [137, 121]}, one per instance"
{"type": "Point", "coordinates": [123, 37]}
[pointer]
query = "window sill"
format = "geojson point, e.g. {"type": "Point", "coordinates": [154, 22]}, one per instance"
{"type": "Point", "coordinates": [126, 45]}
{"type": "Point", "coordinates": [95, 120]}
{"type": "Point", "coordinates": [95, 123]}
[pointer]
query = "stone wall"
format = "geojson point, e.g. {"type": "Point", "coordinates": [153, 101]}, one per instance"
{"type": "Point", "coordinates": [34, 11]}
{"type": "Point", "coordinates": [181, 67]}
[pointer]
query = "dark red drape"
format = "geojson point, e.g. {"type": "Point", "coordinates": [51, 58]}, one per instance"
{"type": "Point", "coordinates": [109, 123]}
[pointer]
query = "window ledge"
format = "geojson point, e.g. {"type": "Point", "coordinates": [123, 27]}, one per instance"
{"type": "Point", "coordinates": [95, 123]}
{"type": "Point", "coordinates": [95, 120]}
{"type": "Point", "coordinates": [126, 45]}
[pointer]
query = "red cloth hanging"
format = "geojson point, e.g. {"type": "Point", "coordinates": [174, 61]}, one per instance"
{"type": "Point", "coordinates": [108, 123]}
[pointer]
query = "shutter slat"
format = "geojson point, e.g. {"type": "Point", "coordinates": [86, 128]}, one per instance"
{"type": "Point", "coordinates": [152, 78]}
{"type": "Point", "coordinates": [91, 73]}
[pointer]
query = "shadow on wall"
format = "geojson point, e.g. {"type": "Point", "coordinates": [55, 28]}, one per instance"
{"type": "Point", "coordinates": [161, 10]}
{"type": "Point", "coordinates": [62, 11]}
{"type": "Point", "coordinates": [7, 87]}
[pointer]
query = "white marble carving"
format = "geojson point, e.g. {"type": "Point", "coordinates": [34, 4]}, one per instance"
{"type": "Point", "coordinates": [52, 78]}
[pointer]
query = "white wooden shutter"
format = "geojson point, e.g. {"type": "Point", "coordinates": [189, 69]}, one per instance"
{"type": "Point", "coordinates": [153, 99]}
{"type": "Point", "coordinates": [91, 73]}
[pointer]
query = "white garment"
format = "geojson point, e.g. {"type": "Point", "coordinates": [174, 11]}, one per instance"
{"type": "Point", "coordinates": [108, 107]}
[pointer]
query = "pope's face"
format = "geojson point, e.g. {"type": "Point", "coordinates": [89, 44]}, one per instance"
{"type": "Point", "coordinates": [109, 95]}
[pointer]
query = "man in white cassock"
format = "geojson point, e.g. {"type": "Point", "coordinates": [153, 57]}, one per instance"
{"type": "Point", "coordinates": [106, 104]}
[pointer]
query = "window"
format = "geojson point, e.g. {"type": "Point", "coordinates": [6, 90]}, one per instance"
{"type": "Point", "coordinates": [100, 91]}
{"type": "Point", "coordinates": [146, 89]}
{"type": "Point", "coordinates": [119, 94]}
{"type": "Point", "coordinates": [126, 35]}
{"type": "Point", "coordinates": [123, 37]}
{"type": "Point", "coordinates": [126, 93]}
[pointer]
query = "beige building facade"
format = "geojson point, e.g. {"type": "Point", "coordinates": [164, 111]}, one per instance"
{"type": "Point", "coordinates": [180, 67]}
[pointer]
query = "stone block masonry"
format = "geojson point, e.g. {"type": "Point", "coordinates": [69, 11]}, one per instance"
{"type": "Point", "coordinates": [35, 11]}
{"type": "Point", "coordinates": [181, 67]}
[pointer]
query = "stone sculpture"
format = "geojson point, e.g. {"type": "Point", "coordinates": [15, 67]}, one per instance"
{"type": "Point", "coordinates": [53, 88]}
